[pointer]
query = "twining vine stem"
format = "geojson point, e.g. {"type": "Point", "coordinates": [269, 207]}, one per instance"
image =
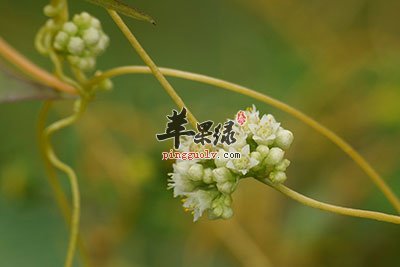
{"type": "Point", "coordinates": [150, 63]}
{"type": "Point", "coordinates": [273, 102]}
{"type": "Point", "coordinates": [56, 162]}
{"type": "Point", "coordinates": [351, 152]}
{"type": "Point", "coordinates": [59, 194]}
{"type": "Point", "coordinates": [256, 95]}
{"type": "Point", "coordinates": [373, 215]}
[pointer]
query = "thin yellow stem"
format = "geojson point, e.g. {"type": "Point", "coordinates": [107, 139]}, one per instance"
{"type": "Point", "coordinates": [373, 215]}
{"type": "Point", "coordinates": [56, 162]}
{"type": "Point", "coordinates": [150, 63]}
{"type": "Point", "coordinates": [351, 152]}
{"type": "Point", "coordinates": [55, 185]}
{"type": "Point", "coordinates": [51, 174]}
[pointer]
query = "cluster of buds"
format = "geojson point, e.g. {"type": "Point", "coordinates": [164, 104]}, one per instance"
{"type": "Point", "coordinates": [207, 185]}
{"type": "Point", "coordinates": [81, 41]}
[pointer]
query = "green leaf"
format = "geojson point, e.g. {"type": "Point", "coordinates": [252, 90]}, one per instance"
{"type": "Point", "coordinates": [124, 9]}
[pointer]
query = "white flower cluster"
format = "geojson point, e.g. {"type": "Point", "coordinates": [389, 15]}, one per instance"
{"type": "Point", "coordinates": [81, 41]}
{"type": "Point", "coordinates": [207, 185]}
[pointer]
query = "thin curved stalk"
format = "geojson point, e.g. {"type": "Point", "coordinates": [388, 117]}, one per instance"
{"type": "Point", "coordinates": [351, 152]}
{"type": "Point", "coordinates": [55, 185]}
{"type": "Point", "coordinates": [56, 162]}
{"type": "Point", "coordinates": [150, 63]}
{"type": "Point", "coordinates": [366, 214]}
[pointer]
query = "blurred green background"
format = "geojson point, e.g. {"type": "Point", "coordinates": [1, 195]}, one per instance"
{"type": "Point", "coordinates": [338, 61]}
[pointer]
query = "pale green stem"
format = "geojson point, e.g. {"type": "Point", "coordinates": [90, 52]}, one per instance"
{"type": "Point", "coordinates": [360, 161]}
{"type": "Point", "coordinates": [373, 215]}
{"type": "Point", "coordinates": [56, 162]}
{"type": "Point", "coordinates": [150, 63]}
{"type": "Point", "coordinates": [59, 194]}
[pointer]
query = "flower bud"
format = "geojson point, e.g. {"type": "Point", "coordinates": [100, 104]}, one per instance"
{"type": "Point", "coordinates": [70, 28]}
{"type": "Point", "coordinates": [49, 10]}
{"type": "Point", "coordinates": [208, 176]}
{"type": "Point", "coordinates": [220, 161]}
{"type": "Point", "coordinates": [91, 36]}
{"type": "Point", "coordinates": [75, 46]}
{"type": "Point", "coordinates": [222, 175]}
{"type": "Point", "coordinates": [281, 166]}
{"type": "Point", "coordinates": [83, 20]}
{"type": "Point", "coordinates": [82, 37]}
{"type": "Point", "coordinates": [217, 211]}
{"type": "Point", "coordinates": [101, 45]}
{"type": "Point", "coordinates": [274, 156]}
{"type": "Point", "coordinates": [277, 177]}
{"type": "Point", "coordinates": [256, 155]}
{"type": "Point", "coordinates": [263, 150]}
{"type": "Point", "coordinates": [226, 187]}
{"type": "Point", "coordinates": [50, 23]}
{"type": "Point", "coordinates": [106, 84]}
{"type": "Point", "coordinates": [227, 213]}
{"type": "Point", "coordinates": [284, 139]}
{"type": "Point", "coordinates": [196, 172]}
{"type": "Point", "coordinates": [73, 60]}
{"type": "Point", "coordinates": [221, 207]}
{"type": "Point", "coordinates": [61, 40]}
{"type": "Point", "coordinates": [86, 63]}
{"type": "Point", "coordinates": [95, 23]}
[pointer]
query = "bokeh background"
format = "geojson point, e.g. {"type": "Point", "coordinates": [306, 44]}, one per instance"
{"type": "Point", "coordinates": [338, 61]}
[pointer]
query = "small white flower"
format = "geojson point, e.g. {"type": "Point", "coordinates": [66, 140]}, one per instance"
{"type": "Point", "coordinates": [253, 117]}
{"type": "Point", "coordinates": [244, 163]}
{"type": "Point", "coordinates": [181, 184]}
{"type": "Point", "coordinates": [179, 180]}
{"type": "Point", "coordinates": [208, 185]}
{"type": "Point", "coordinates": [199, 201]}
{"type": "Point", "coordinates": [264, 133]}
{"type": "Point", "coordinates": [240, 136]}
